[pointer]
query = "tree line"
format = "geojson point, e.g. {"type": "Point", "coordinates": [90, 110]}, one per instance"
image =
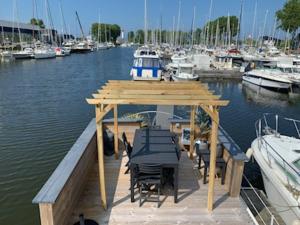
{"type": "Point", "coordinates": [102, 32]}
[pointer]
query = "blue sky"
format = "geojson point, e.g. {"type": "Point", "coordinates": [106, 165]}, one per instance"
{"type": "Point", "coordinates": [129, 14]}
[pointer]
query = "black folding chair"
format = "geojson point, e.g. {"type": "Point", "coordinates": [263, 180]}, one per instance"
{"type": "Point", "coordinates": [220, 163]}
{"type": "Point", "coordinates": [128, 149]}
{"type": "Point", "coordinates": [201, 150]}
{"type": "Point", "coordinates": [149, 181]}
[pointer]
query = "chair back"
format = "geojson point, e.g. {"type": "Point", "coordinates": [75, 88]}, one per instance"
{"type": "Point", "coordinates": [128, 149]}
{"type": "Point", "coordinates": [150, 169]}
{"type": "Point", "coordinates": [201, 147]}
{"type": "Point", "coordinates": [220, 151]}
{"type": "Point", "coordinates": [124, 139]}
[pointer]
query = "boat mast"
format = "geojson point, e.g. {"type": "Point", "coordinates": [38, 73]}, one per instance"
{"type": "Point", "coordinates": [217, 34]}
{"type": "Point", "coordinates": [208, 25]}
{"type": "Point", "coordinates": [254, 21]}
{"type": "Point", "coordinates": [193, 27]}
{"type": "Point", "coordinates": [238, 37]}
{"type": "Point", "coordinates": [264, 27]}
{"type": "Point", "coordinates": [99, 27]}
{"type": "Point", "coordinates": [81, 29]}
{"type": "Point", "coordinates": [18, 23]}
{"type": "Point", "coordinates": [145, 24]}
{"type": "Point", "coordinates": [177, 38]}
{"type": "Point", "coordinates": [63, 21]}
{"type": "Point", "coordinates": [228, 31]}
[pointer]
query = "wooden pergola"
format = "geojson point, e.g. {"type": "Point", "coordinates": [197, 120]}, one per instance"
{"type": "Point", "coordinates": [194, 94]}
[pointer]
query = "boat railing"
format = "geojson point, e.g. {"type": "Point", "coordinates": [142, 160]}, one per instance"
{"type": "Point", "coordinates": [272, 154]}
{"type": "Point", "coordinates": [257, 207]}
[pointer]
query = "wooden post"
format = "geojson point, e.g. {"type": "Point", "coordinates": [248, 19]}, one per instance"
{"type": "Point", "coordinates": [99, 126]}
{"type": "Point", "coordinates": [236, 178]}
{"type": "Point", "coordinates": [212, 162]}
{"type": "Point", "coordinates": [192, 132]}
{"type": "Point", "coordinates": [116, 132]}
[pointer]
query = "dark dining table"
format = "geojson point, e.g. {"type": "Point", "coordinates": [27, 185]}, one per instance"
{"type": "Point", "coordinates": [155, 146]}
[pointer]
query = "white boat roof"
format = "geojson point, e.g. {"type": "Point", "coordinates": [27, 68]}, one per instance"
{"type": "Point", "coordinates": [275, 75]}
{"type": "Point", "coordinates": [287, 147]}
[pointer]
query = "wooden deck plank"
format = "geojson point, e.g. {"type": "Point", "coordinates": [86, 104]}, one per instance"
{"type": "Point", "coordinates": [191, 208]}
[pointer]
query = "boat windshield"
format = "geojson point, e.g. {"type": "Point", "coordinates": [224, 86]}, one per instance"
{"type": "Point", "coordinates": [186, 70]}
{"type": "Point", "coordinates": [297, 163]}
{"type": "Point", "coordinates": [150, 62]}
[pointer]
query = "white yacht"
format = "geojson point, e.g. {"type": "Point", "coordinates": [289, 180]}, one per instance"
{"type": "Point", "coordinates": [268, 78]}
{"type": "Point", "coordinates": [146, 65]}
{"type": "Point", "coordinates": [185, 72]}
{"type": "Point", "coordinates": [6, 56]}
{"type": "Point", "coordinates": [44, 53]}
{"type": "Point", "coordinates": [278, 155]}
{"type": "Point", "coordinates": [27, 53]}
{"type": "Point", "coordinates": [81, 47]}
{"type": "Point", "coordinates": [60, 52]}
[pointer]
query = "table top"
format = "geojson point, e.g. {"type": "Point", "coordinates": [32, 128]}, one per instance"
{"type": "Point", "coordinates": [154, 146]}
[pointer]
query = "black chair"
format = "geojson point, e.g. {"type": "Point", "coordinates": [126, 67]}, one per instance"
{"type": "Point", "coordinates": [128, 149]}
{"type": "Point", "coordinates": [149, 181]}
{"type": "Point", "coordinates": [201, 150]}
{"type": "Point", "coordinates": [220, 163]}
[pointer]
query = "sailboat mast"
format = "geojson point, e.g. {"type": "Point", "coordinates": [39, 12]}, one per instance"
{"type": "Point", "coordinates": [254, 21]}
{"type": "Point", "coordinates": [209, 18]}
{"type": "Point", "coordinates": [145, 24]}
{"type": "Point", "coordinates": [238, 37]}
{"type": "Point", "coordinates": [99, 28]}
{"type": "Point", "coordinates": [178, 24]}
{"type": "Point", "coordinates": [264, 27]}
{"type": "Point", "coordinates": [193, 26]}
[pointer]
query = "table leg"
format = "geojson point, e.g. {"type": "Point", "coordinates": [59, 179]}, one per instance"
{"type": "Point", "coordinates": [131, 183]}
{"type": "Point", "coordinates": [175, 183]}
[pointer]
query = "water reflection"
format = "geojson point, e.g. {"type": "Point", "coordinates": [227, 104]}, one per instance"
{"type": "Point", "coordinates": [265, 96]}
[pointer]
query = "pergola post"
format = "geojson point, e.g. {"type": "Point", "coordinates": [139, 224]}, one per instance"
{"type": "Point", "coordinates": [212, 162]}
{"type": "Point", "coordinates": [116, 132]}
{"type": "Point", "coordinates": [99, 126]}
{"type": "Point", "coordinates": [192, 131]}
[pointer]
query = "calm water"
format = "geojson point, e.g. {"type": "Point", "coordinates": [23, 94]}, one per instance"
{"type": "Point", "coordinates": [43, 111]}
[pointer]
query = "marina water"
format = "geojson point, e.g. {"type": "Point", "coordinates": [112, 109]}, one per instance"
{"type": "Point", "coordinates": [43, 111]}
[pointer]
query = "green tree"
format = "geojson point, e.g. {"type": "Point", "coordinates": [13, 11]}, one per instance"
{"type": "Point", "coordinates": [37, 22]}
{"type": "Point", "coordinates": [139, 36]}
{"type": "Point", "coordinates": [289, 17]}
{"type": "Point", "coordinates": [113, 31]}
{"type": "Point", "coordinates": [234, 23]}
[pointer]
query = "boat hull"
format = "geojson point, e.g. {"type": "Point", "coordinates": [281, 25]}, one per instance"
{"type": "Point", "coordinates": [267, 83]}
{"type": "Point", "coordinates": [44, 56]}
{"type": "Point", "coordinates": [178, 78]}
{"type": "Point", "coordinates": [76, 50]}
{"type": "Point", "coordinates": [279, 197]}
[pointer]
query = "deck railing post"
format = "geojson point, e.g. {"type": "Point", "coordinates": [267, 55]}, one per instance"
{"type": "Point", "coordinates": [99, 126]}
{"type": "Point", "coordinates": [192, 131]}
{"type": "Point", "coordinates": [212, 164]}
{"type": "Point", "coordinates": [116, 132]}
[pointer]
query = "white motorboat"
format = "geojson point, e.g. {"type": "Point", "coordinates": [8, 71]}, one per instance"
{"type": "Point", "coordinates": [6, 56]}
{"type": "Point", "coordinates": [268, 78]}
{"type": "Point", "coordinates": [185, 72]}
{"type": "Point", "coordinates": [102, 46]}
{"type": "Point", "coordinates": [27, 53]}
{"type": "Point", "coordinates": [44, 53]}
{"type": "Point", "coordinates": [147, 65]}
{"type": "Point", "coordinates": [278, 155]}
{"type": "Point", "coordinates": [81, 47]}
{"type": "Point", "coordinates": [60, 52]}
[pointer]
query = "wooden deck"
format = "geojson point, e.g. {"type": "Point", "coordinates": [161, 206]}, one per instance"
{"type": "Point", "coordinates": [191, 208]}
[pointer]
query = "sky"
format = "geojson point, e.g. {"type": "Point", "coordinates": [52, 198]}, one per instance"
{"type": "Point", "coordinates": [129, 14]}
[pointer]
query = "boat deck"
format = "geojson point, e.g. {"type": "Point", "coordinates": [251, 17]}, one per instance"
{"type": "Point", "coordinates": [190, 209]}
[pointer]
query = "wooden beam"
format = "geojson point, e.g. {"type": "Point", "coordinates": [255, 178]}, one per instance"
{"type": "Point", "coordinates": [157, 92]}
{"type": "Point", "coordinates": [103, 111]}
{"type": "Point", "coordinates": [192, 131]}
{"type": "Point", "coordinates": [157, 102]}
{"type": "Point", "coordinates": [116, 132]}
{"type": "Point", "coordinates": [212, 162]}
{"type": "Point", "coordinates": [160, 97]}
{"type": "Point", "coordinates": [211, 113]}
{"type": "Point", "coordinates": [130, 82]}
{"type": "Point", "coordinates": [152, 87]}
{"type": "Point", "coordinates": [100, 146]}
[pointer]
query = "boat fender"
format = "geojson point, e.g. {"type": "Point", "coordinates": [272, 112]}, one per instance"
{"type": "Point", "coordinates": [249, 153]}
